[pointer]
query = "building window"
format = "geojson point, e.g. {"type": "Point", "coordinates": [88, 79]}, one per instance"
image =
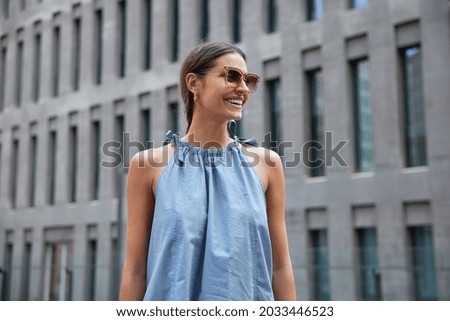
{"type": "Point", "coordinates": [320, 265]}
{"type": "Point", "coordinates": [14, 172]}
{"type": "Point", "coordinates": [146, 118]}
{"type": "Point", "coordinates": [315, 156]}
{"type": "Point", "coordinates": [362, 111]}
{"type": "Point", "coordinates": [37, 66]}
{"type": "Point", "coordinates": [353, 4]}
{"type": "Point", "coordinates": [1, 153]}
{"type": "Point", "coordinates": [3, 71]}
{"type": "Point", "coordinates": [314, 10]}
{"type": "Point", "coordinates": [52, 150]}
{"type": "Point", "coordinates": [204, 20]}
{"type": "Point", "coordinates": [422, 254]}
{"type": "Point", "coordinates": [6, 9]}
{"type": "Point", "coordinates": [26, 272]}
{"type": "Point", "coordinates": [73, 168]}
{"type": "Point", "coordinates": [59, 272]}
{"type": "Point", "coordinates": [173, 117]}
{"type": "Point", "coordinates": [147, 34]}
{"type": "Point", "coordinates": [274, 113]}
{"type": "Point", "coordinates": [121, 37]}
{"type": "Point", "coordinates": [56, 60]}
{"type": "Point", "coordinates": [174, 31]}
{"type": "Point", "coordinates": [19, 68]}
{"type": "Point", "coordinates": [368, 264]}
{"type": "Point", "coordinates": [33, 167]}
{"type": "Point", "coordinates": [95, 152]}
{"type": "Point", "coordinates": [23, 5]}
{"type": "Point", "coordinates": [237, 21]}
{"type": "Point", "coordinates": [7, 272]}
{"type": "Point", "coordinates": [413, 107]}
{"type": "Point", "coordinates": [272, 15]}
{"type": "Point", "coordinates": [92, 269]}
{"type": "Point", "coordinates": [76, 50]}
{"type": "Point", "coordinates": [120, 130]}
{"type": "Point", "coordinates": [98, 46]}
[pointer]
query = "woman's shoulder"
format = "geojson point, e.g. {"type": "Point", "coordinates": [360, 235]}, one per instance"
{"type": "Point", "coordinates": [153, 157]}
{"type": "Point", "coordinates": [262, 155]}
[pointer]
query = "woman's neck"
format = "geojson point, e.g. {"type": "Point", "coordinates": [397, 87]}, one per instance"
{"type": "Point", "coordinates": [207, 135]}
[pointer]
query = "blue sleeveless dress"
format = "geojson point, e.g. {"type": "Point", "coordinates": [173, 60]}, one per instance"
{"type": "Point", "coordinates": [210, 239]}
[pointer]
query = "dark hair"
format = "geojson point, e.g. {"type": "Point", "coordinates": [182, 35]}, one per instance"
{"type": "Point", "coordinates": [199, 61]}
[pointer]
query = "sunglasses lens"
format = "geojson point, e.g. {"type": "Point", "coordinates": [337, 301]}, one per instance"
{"type": "Point", "coordinates": [252, 82]}
{"type": "Point", "coordinates": [233, 76]}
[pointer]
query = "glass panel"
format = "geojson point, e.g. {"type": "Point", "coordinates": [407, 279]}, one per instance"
{"type": "Point", "coordinates": [204, 22]}
{"type": "Point", "coordinates": [358, 3]}
{"type": "Point", "coordinates": [314, 10]}
{"type": "Point", "coordinates": [33, 166]}
{"type": "Point", "coordinates": [362, 117]}
{"type": "Point", "coordinates": [37, 66]}
{"type": "Point", "coordinates": [173, 117]}
{"type": "Point", "coordinates": [26, 272]}
{"type": "Point", "coordinates": [146, 128]}
{"type": "Point", "coordinates": [237, 16]}
{"type": "Point", "coordinates": [274, 114]}
{"type": "Point", "coordinates": [19, 67]}
{"type": "Point", "coordinates": [174, 31]}
{"type": "Point", "coordinates": [76, 53]}
{"type": "Point", "coordinates": [316, 139]}
{"type": "Point", "coordinates": [415, 131]}
{"type": "Point", "coordinates": [320, 264]}
{"type": "Point", "coordinates": [424, 270]}
{"type": "Point", "coordinates": [14, 172]}
{"type": "Point", "coordinates": [3, 72]}
{"type": "Point", "coordinates": [73, 156]}
{"type": "Point", "coordinates": [56, 60]}
{"type": "Point", "coordinates": [52, 167]}
{"type": "Point", "coordinates": [368, 263]}
{"type": "Point", "coordinates": [272, 15]}
{"type": "Point", "coordinates": [122, 34]}
{"type": "Point", "coordinates": [147, 27]}
{"type": "Point", "coordinates": [92, 269]}
{"type": "Point", "coordinates": [7, 273]}
{"type": "Point", "coordinates": [95, 152]}
{"type": "Point", "coordinates": [98, 45]}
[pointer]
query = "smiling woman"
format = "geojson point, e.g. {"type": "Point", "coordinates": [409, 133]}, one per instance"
{"type": "Point", "coordinates": [206, 226]}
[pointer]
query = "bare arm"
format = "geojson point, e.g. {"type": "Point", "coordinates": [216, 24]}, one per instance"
{"type": "Point", "coordinates": [140, 204]}
{"type": "Point", "coordinates": [283, 283]}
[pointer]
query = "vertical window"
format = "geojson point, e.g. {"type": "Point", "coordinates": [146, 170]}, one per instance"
{"type": "Point", "coordinates": [14, 172]}
{"type": "Point", "coordinates": [19, 68]}
{"type": "Point", "coordinates": [174, 33]}
{"type": "Point", "coordinates": [274, 113]}
{"type": "Point", "coordinates": [362, 111]}
{"type": "Point", "coordinates": [413, 106]}
{"type": "Point", "coordinates": [23, 4]}
{"type": "Point", "coordinates": [204, 20]}
{"type": "Point", "coordinates": [98, 46]}
{"type": "Point", "coordinates": [146, 118]}
{"type": "Point", "coordinates": [358, 3]}
{"type": "Point", "coordinates": [92, 269]}
{"type": "Point", "coordinates": [320, 265]}
{"type": "Point", "coordinates": [368, 264]}
{"type": "Point", "coordinates": [120, 129]}
{"type": "Point", "coordinates": [1, 153]}
{"type": "Point", "coordinates": [147, 34]}
{"type": "Point", "coordinates": [32, 174]}
{"type": "Point", "coordinates": [59, 276]}
{"type": "Point", "coordinates": [3, 72]}
{"type": "Point", "coordinates": [6, 8]}
{"type": "Point", "coordinates": [52, 149]}
{"type": "Point", "coordinates": [272, 15]}
{"type": "Point", "coordinates": [26, 272]}
{"type": "Point", "coordinates": [316, 133]}
{"type": "Point", "coordinates": [7, 272]}
{"type": "Point", "coordinates": [37, 66]}
{"type": "Point", "coordinates": [73, 168]}
{"type": "Point", "coordinates": [314, 10]}
{"type": "Point", "coordinates": [56, 53]}
{"type": "Point", "coordinates": [173, 117]}
{"type": "Point", "coordinates": [122, 37]}
{"type": "Point", "coordinates": [76, 49]}
{"type": "Point", "coordinates": [95, 152]}
{"type": "Point", "coordinates": [237, 18]}
{"type": "Point", "coordinates": [424, 271]}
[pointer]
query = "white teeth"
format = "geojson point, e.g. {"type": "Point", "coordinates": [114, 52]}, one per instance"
{"type": "Point", "coordinates": [235, 101]}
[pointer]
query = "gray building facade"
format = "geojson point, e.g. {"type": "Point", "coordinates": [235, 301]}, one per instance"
{"type": "Point", "coordinates": [355, 95]}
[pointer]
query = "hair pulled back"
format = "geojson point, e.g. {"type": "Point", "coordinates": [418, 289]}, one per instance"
{"type": "Point", "coordinates": [199, 61]}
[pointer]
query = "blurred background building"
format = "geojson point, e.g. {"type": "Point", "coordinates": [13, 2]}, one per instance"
{"type": "Point", "coordinates": [370, 222]}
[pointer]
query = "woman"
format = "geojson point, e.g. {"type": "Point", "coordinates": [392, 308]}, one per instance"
{"type": "Point", "coordinates": [205, 223]}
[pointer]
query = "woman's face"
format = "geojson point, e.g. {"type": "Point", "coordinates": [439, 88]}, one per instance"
{"type": "Point", "coordinates": [221, 100]}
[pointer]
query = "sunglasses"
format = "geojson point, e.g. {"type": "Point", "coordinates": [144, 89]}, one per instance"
{"type": "Point", "coordinates": [234, 76]}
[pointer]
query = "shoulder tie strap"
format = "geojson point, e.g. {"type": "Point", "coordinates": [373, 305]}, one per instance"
{"type": "Point", "coordinates": [232, 126]}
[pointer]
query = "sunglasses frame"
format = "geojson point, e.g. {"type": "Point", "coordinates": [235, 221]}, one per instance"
{"type": "Point", "coordinates": [242, 76]}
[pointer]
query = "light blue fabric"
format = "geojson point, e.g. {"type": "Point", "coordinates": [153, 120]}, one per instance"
{"type": "Point", "coordinates": [210, 238]}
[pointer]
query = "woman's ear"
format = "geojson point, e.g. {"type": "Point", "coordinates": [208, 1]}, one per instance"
{"type": "Point", "coordinates": [192, 82]}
